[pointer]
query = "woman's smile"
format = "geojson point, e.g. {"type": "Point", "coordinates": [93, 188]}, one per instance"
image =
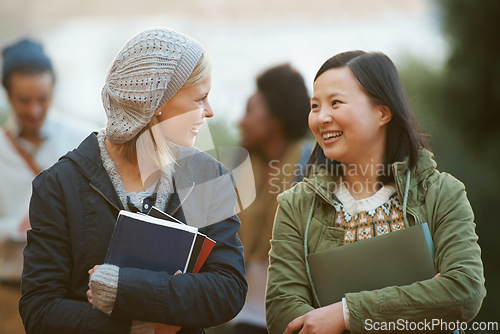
{"type": "Point", "coordinates": [330, 137]}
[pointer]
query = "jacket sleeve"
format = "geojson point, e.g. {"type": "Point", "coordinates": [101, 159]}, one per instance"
{"type": "Point", "coordinates": [47, 305]}
{"type": "Point", "coordinates": [211, 297]}
{"type": "Point", "coordinates": [288, 290]}
{"type": "Point", "coordinates": [457, 294]}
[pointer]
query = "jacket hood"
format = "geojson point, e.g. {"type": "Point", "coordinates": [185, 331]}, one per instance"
{"type": "Point", "coordinates": [85, 157]}
{"type": "Point", "coordinates": [196, 176]}
{"type": "Point", "coordinates": [88, 160]}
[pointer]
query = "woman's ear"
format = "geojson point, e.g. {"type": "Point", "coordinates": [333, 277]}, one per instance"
{"type": "Point", "coordinates": [385, 114]}
{"type": "Point", "coordinates": [158, 112]}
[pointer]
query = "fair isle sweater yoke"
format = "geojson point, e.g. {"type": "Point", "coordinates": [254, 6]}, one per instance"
{"type": "Point", "coordinates": [368, 217]}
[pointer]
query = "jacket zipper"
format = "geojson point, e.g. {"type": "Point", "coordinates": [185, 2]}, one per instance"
{"type": "Point", "coordinates": [104, 196]}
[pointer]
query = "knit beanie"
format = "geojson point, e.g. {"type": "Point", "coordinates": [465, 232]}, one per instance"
{"type": "Point", "coordinates": [145, 74]}
{"type": "Point", "coordinates": [22, 54]}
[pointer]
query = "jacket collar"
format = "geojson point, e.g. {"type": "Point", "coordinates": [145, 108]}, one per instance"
{"type": "Point", "coordinates": [87, 159]}
{"type": "Point", "coordinates": [421, 177]}
{"type": "Point", "coordinates": [425, 166]}
{"type": "Point", "coordinates": [323, 183]}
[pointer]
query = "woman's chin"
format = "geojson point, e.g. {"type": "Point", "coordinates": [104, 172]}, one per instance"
{"type": "Point", "coordinates": [185, 142]}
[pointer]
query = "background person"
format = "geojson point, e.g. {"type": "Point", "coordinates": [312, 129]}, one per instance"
{"type": "Point", "coordinates": [274, 131]}
{"type": "Point", "coordinates": [156, 99]}
{"type": "Point", "coordinates": [31, 140]}
{"type": "Point", "coordinates": [371, 174]}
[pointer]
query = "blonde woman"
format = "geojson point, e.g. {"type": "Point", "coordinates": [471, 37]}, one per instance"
{"type": "Point", "coordinates": [156, 99]}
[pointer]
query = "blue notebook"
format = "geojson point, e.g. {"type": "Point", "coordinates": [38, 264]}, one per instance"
{"type": "Point", "coordinates": [145, 242]}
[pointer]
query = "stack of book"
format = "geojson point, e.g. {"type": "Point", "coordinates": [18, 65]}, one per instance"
{"type": "Point", "coordinates": [158, 242]}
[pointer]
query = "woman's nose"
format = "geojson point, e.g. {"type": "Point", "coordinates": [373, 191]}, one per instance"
{"type": "Point", "coordinates": [209, 112]}
{"type": "Point", "coordinates": [325, 116]}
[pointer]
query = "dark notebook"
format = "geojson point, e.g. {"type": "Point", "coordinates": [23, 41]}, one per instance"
{"type": "Point", "coordinates": [203, 245]}
{"type": "Point", "coordinates": [394, 259]}
{"type": "Point", "coordinates": [145, 242]}
{"type": "Point", "coordinates": [157, 213]}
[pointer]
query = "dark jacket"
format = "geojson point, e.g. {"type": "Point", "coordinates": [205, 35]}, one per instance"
{"type": "Point", "coordinates": [73, 210]}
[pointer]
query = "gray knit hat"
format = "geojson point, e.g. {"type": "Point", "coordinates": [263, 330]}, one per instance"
{"type": "Point", "coordinates": [145, 74]}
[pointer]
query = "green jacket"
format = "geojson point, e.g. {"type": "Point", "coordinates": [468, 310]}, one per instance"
{"type": "Point", "coordinates": [433, 197]}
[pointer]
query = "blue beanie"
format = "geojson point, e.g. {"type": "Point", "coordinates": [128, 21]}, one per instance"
{"type": "Point", "coordinates": [24, 53]}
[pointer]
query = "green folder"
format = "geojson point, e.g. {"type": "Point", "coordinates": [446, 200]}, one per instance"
{"type": "Point", "coordinates": [394, 259]}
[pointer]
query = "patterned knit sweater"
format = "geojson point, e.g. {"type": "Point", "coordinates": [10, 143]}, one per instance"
{"type": "Point", "coordinates": [366, 218]}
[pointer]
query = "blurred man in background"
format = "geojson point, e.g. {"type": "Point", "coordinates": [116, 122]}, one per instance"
{"type": "Point", "coordinates": [30, 141]}
{"type": "Point", "coordinates": [273, 131]}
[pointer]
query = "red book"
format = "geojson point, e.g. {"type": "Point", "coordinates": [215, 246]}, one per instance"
{"type": "Point", "coordinates": [208, 245]}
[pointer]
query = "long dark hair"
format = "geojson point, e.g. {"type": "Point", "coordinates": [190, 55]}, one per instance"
{"type": "Point", "coordinates": [380, 80]}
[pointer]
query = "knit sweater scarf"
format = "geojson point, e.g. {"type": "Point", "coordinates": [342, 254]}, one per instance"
{"type": "Point", "coordinates": [165, 187]}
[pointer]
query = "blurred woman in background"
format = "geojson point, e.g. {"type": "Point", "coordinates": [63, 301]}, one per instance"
{"type": "Point", "coordinates": [273, 131]}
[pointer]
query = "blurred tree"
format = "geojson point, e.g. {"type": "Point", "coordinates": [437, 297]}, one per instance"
{"type": "Point", "coordinates": [473, 85]}
{"type": "Point", "coordinates": [459, 106]}
{"type": "Point", "coordinates": [471, 105]}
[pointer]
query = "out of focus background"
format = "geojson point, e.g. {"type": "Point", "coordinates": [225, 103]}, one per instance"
{"type": "Point", "coordinates": [446, 51]}
{"type": "Point", "coordinates": [242, 37]}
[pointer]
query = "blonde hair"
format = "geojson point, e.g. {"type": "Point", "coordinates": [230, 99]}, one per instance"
{"type": "Point", "coordinates": [156, 147]}
{"type": "Point", "coordinates": [201, 71]}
